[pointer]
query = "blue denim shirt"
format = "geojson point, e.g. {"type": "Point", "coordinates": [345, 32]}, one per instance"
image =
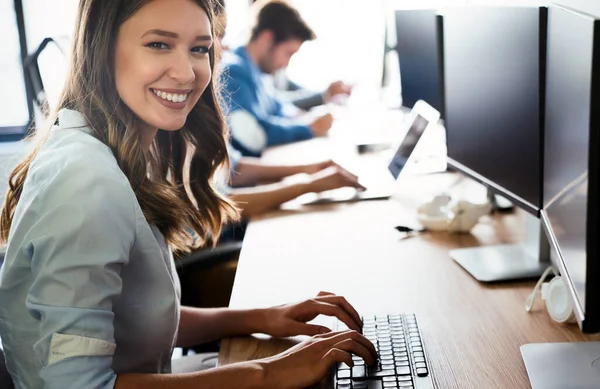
{"type": "Point", "coordinates": [256, 116]}
{"type": "Point", "coordinates": [88, 288]}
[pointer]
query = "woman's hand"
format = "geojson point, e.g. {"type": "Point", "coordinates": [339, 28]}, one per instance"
{"type": "Point", "coordinates": [291, 319]}
{"type": "Point", "coordinates": [309, 362]}
{"type": "Point", "coordinates": [317, 167]}
{"type": "Point", "coordinates": [334, 177]}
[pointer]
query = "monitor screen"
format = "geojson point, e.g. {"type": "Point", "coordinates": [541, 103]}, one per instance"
{"type": "Point", "coordinates": [493, 67]}
{"type": "Point", "coordinates": [408, 144]}
{"type": "Point", "coordinates": [568, 167]}
{"type": "Point", "coordinates": [418, 54]}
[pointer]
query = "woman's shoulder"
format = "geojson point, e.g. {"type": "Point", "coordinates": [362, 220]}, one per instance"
{"type": "Point", "coordinates": [75, 167]}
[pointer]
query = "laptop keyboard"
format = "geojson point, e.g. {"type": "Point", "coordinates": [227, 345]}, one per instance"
{"type": "Point", "coordinates": [401, 356]}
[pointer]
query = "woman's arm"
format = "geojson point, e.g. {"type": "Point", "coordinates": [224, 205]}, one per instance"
{"type": "Point", "coordinates": [202, 325]}
{"type": "Point", "coordinates": [250, 171]}
{"type": "Point", "coordinates": [260, 199]}
{"type": "Point", "coordinates": [247, 375]}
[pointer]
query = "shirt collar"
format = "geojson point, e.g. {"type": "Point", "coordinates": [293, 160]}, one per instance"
{"type": "Point", "coordinates": [68, 118]}
{"type": "Point", "coordinates": [243, 52]}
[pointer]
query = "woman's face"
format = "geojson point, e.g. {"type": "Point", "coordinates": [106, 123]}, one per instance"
{"type": "Point", "coordinates": [162, 63]}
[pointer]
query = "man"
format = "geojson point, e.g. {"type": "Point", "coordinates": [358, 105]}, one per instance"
{"type": "Point", "coordinates": [257, 117]}
{"type": "Point", "coordinates": [286, 182]}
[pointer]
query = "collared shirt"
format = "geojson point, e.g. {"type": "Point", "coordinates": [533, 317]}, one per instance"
{"type": "Point", "coordinates": [88, 288]}
{"type": "Point", "coordinates": [256, 116]}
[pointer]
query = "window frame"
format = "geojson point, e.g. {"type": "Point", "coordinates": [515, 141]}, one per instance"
{"type": "Point", "coordinates": [15, 133]}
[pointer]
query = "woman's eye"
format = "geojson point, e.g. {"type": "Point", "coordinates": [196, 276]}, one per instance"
{"type": "Point", "coordinates": [157, 45]}
{"type": "Point", "coordinates": [200, 49]}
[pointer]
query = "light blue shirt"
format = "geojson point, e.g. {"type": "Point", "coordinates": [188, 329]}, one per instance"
{"type": "Point", "coordinates": [88, 288]}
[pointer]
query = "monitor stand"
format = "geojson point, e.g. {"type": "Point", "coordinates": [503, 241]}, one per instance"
{"type": "Point", "coordinates": [562, 365]}
{"type": "Point", "coordinates": [508, 262]}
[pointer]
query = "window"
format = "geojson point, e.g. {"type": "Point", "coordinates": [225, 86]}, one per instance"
{"type": "Point", "coordinates": [54, 19]}
{"type": "Point", "coordinates": [14, 114]}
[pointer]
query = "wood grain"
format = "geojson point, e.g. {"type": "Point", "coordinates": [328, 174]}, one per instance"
{"type": "Point", "coordinates": [472, 331]}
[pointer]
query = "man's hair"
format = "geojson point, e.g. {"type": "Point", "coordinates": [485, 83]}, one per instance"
{"type": "Point", "coordinates": [283, 20]}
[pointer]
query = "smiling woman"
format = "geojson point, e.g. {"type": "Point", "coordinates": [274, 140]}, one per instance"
{"type": "Point", "coordinates": [88, 293]}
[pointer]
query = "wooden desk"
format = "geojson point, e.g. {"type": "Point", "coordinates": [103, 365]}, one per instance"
{"type": "Point", "coordinates": [472, 331]}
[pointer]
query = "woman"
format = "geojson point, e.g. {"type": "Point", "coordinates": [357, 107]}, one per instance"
{"type": "Point", "coordinates": [88, 294]}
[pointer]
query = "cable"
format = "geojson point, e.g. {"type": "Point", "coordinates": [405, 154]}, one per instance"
{"type": "Point", "coordinates": [531, 298]}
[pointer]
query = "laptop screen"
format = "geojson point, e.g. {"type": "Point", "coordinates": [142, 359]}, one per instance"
{"type": "Point", "coordinates": [408, 145]}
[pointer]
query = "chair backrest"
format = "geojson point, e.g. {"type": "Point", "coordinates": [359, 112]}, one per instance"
{"type": "Point", "coordinates": [5, 379]}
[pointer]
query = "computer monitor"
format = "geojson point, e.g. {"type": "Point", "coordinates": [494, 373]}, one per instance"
{"type": "Point", "coordinates": [418, 47]}
{"type": "Point", "coordinates": [571, 213]}
{"type": "Point", "coordinates": [494, 100]}
{"type": "Point", "coordinates": [571, 192]}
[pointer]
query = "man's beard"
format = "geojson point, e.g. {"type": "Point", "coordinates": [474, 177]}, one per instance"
{"type": "Point", "coordinates": [265, 64]}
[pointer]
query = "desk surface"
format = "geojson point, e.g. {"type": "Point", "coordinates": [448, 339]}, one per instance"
{"type": "Point", "coordinates": [472, 331]}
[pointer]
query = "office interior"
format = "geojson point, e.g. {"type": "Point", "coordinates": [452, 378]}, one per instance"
{"type": "Point", "coordinates": [517, 88]}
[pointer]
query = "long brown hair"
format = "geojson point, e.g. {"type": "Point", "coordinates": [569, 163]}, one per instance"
{"type": "Point", "coordinates": [173, 181]}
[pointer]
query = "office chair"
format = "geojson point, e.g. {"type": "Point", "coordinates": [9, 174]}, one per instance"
{"type": "Point", "coordinates": [32, 72]}
{"type": "Point", "coordinates": [5, 379]}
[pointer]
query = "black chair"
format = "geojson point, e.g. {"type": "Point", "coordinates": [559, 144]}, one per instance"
{"type": "Point", "coordinates": [5, 379]}
{"type": "Point", "coordinates": [32, 72]}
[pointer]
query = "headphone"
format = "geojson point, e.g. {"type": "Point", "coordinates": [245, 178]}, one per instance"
{"type": "Point", "coordinates": [556, 295]}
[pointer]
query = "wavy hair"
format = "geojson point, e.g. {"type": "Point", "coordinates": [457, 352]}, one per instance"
{"type": "Point", "coordinates": [174, 180]}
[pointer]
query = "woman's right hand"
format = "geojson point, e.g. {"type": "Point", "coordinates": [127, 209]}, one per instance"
{"type": "Point", "coordinates": [309, 362]}
{"type": "Point", "coordinates": [334, 177]}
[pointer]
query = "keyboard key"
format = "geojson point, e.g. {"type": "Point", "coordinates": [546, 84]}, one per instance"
{"type": "Point", "coordinates": [403, 370]}
{"type": "Point", "coordinates": [359, 373]}
{"type": "Point", "coordinates": [382, 373]}
{"type": "Point", "coordinates": [341, 374]}
{"type": "Point", "coordinates": [422, 372]}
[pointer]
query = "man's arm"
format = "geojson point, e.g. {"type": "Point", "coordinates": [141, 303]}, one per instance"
{"type": "Point", "coordinates": [247, 118]}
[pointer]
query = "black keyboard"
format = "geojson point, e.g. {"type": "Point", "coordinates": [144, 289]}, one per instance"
{"type": "Point", "coordinates": [401, 360]}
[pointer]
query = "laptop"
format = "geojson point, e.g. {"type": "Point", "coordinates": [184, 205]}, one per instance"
{"type": "Point", "coordinates": [378, 180]}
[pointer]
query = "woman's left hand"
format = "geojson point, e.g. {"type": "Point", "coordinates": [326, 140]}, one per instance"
{"type": "Point", "coordinates": [291, 319]}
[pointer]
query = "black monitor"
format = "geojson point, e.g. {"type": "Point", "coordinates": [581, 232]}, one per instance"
{"type": "Point", "coordinates": [571, 192]}
{"type": "Point", "coordinates": [572, 157]}
{"type": "Point", "coordinates": [494, 99]}
{"type": "Point", "coordinates": [419, 47]}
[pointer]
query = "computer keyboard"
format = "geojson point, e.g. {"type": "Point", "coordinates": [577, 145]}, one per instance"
{"type": "Point", "coordinates": [401, 360]}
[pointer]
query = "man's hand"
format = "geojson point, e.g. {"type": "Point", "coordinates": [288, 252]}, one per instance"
{"type": "Point", "coordinates": [321, 125]}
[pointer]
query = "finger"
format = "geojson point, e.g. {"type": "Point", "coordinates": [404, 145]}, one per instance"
{"type": "Point", "coordinates": [332, 339]}
{"type": "Point", "coordinates": [323, 293]}
{"type": "Point", "coordinates": [352, 181]}
{"type": "Point", "coordinates": [363, 341]}
{"type": "Point", "coordinates": [298, 328]}
{"type": "Point", "coordinates": [336, 355]}
{"type": "Point", "coordinates": [355, 347]}
{"type": "Point", "coordinates": [344, 304]}
{"type": "Point", "coordinates": [334, 310]}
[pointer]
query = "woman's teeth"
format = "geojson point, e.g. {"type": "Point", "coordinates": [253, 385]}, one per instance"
{"type": "Point", "coordinates": [173, 97]}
